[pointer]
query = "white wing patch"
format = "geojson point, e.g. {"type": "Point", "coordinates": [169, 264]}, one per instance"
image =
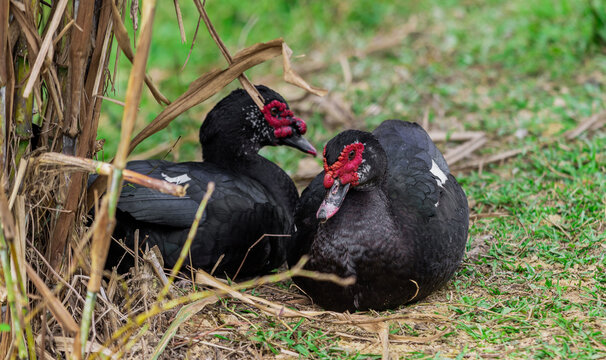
{"type": "Point", "coordinates": [178, 180]}
{"type": "Point", "coordinates": [437, 172]}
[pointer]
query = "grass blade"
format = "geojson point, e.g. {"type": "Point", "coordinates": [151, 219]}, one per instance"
{"type": "Point", "coordinates": [184, 314]}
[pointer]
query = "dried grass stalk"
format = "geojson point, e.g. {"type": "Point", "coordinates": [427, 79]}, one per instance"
{"type": "Point", "coordinates": [123, 39]}
{"type": "Point", "coordinates": [184, 314]}
{"type": "Point", "coordinates": [180, 21]}
{"type": "Point", "coordinates": [106, 217]}
{"type": "Point", "coordinates": [585, 125]}
{"type": "Point", "coordinates": [458, 153]}
{"type": "Point", "coordinates": [61, 94]}
{"type": "Point", "coordinates": [45, 47]}
{"type": "Point", "coordinates": [55, 306]}
{"type": "Point", "coordinates": [14, 280]}
{"type": "Point", "coordinates": [102, 168]}
{"type": "Point", "coordinates": [101, 238]}
{"type": "Point", "coordinates": [292, 77]}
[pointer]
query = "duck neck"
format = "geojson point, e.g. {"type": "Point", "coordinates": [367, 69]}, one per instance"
{"type": "Point", "coordinates": [245, 161]}
{"type": "Point", "coordinates": [222, 150]}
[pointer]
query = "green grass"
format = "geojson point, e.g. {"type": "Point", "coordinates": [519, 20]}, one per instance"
{"type": "Point", "coordinates": [522, 71]}
{"type": "Point", "coordinates": [542, 276]}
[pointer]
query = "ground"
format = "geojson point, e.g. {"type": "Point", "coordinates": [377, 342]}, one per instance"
{"type": "Point", "coordinates": [526, 77]}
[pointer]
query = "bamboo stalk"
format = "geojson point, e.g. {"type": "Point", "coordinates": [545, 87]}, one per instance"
{"type": "Point", "coordinates": [70, 83]}
{"type": "Point", "coordinates": [85, 140]}
{"type": "Point", "coordinates": [6, 100]}
{"type": "Point", "coordinates": [3, 132]}
{"type": "Point", "coordinates": [79, 51]}
{"type": "Point", "coordinates": [4, 43]}
{"type": "Point", "coordinates": [23, 110]}
{"type": "Point", "coordinates": [91, 77]}
{"type": "Point", "coordinates": [24, 105]}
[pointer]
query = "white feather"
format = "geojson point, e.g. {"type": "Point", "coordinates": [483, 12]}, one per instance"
{"type": "Point", "coordinates": [178, 180]}
{"type": "Point", "coordinates": [437, 172]}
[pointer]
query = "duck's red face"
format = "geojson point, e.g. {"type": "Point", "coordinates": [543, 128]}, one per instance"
{"type": "Point", "coordinates": [287, 128]}
{"type": "Point", "coordinates": [346, 167]}
{"type": "Point", "coordinates": [338, 177]}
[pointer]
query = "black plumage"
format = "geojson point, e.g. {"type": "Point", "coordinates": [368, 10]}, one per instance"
{"type": "Point", "coordinates": [253, 196]}
{"type": "Point", "coordinates": [389, 213]}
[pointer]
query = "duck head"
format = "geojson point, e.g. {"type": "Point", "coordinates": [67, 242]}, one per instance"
{"type": "Point", "coordinates": [237, 125]}
{"type": "Point", "coordinates": [353, 160]}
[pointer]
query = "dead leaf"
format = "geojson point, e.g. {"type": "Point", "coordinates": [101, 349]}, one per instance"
{"type": "Point", "coordinates": [199, 90]}
{"type": "Point", "coordinates": [209, 84]}
{"type": "Point", "coordinates": [290, 76]}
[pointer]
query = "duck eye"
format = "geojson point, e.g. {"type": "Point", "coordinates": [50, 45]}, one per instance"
{"type": "Point", "coordinates": [352, 154]}
{"type": "Point", "coordinates": [274, 111]}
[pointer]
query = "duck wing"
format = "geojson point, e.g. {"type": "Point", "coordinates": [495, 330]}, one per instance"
{"type": "Point", "coordinates": [417, 172]}
{"type": "Point", "coordinates": [151, 206]}
{"type": "Point", "coordinates": [238, 213]}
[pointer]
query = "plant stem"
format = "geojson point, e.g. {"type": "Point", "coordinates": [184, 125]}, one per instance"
{"type": "Point", "coordinates": [190, 237]}
{"type": "Point", "coordinates": [87, 315]}
{"type": "Point", "coordinates": [11, 296]}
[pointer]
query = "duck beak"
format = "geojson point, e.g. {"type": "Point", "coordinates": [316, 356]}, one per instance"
{"type": "Point", "coordinates": [333, 200]}
{"type": "Point", "coordinates": [299, 142]}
